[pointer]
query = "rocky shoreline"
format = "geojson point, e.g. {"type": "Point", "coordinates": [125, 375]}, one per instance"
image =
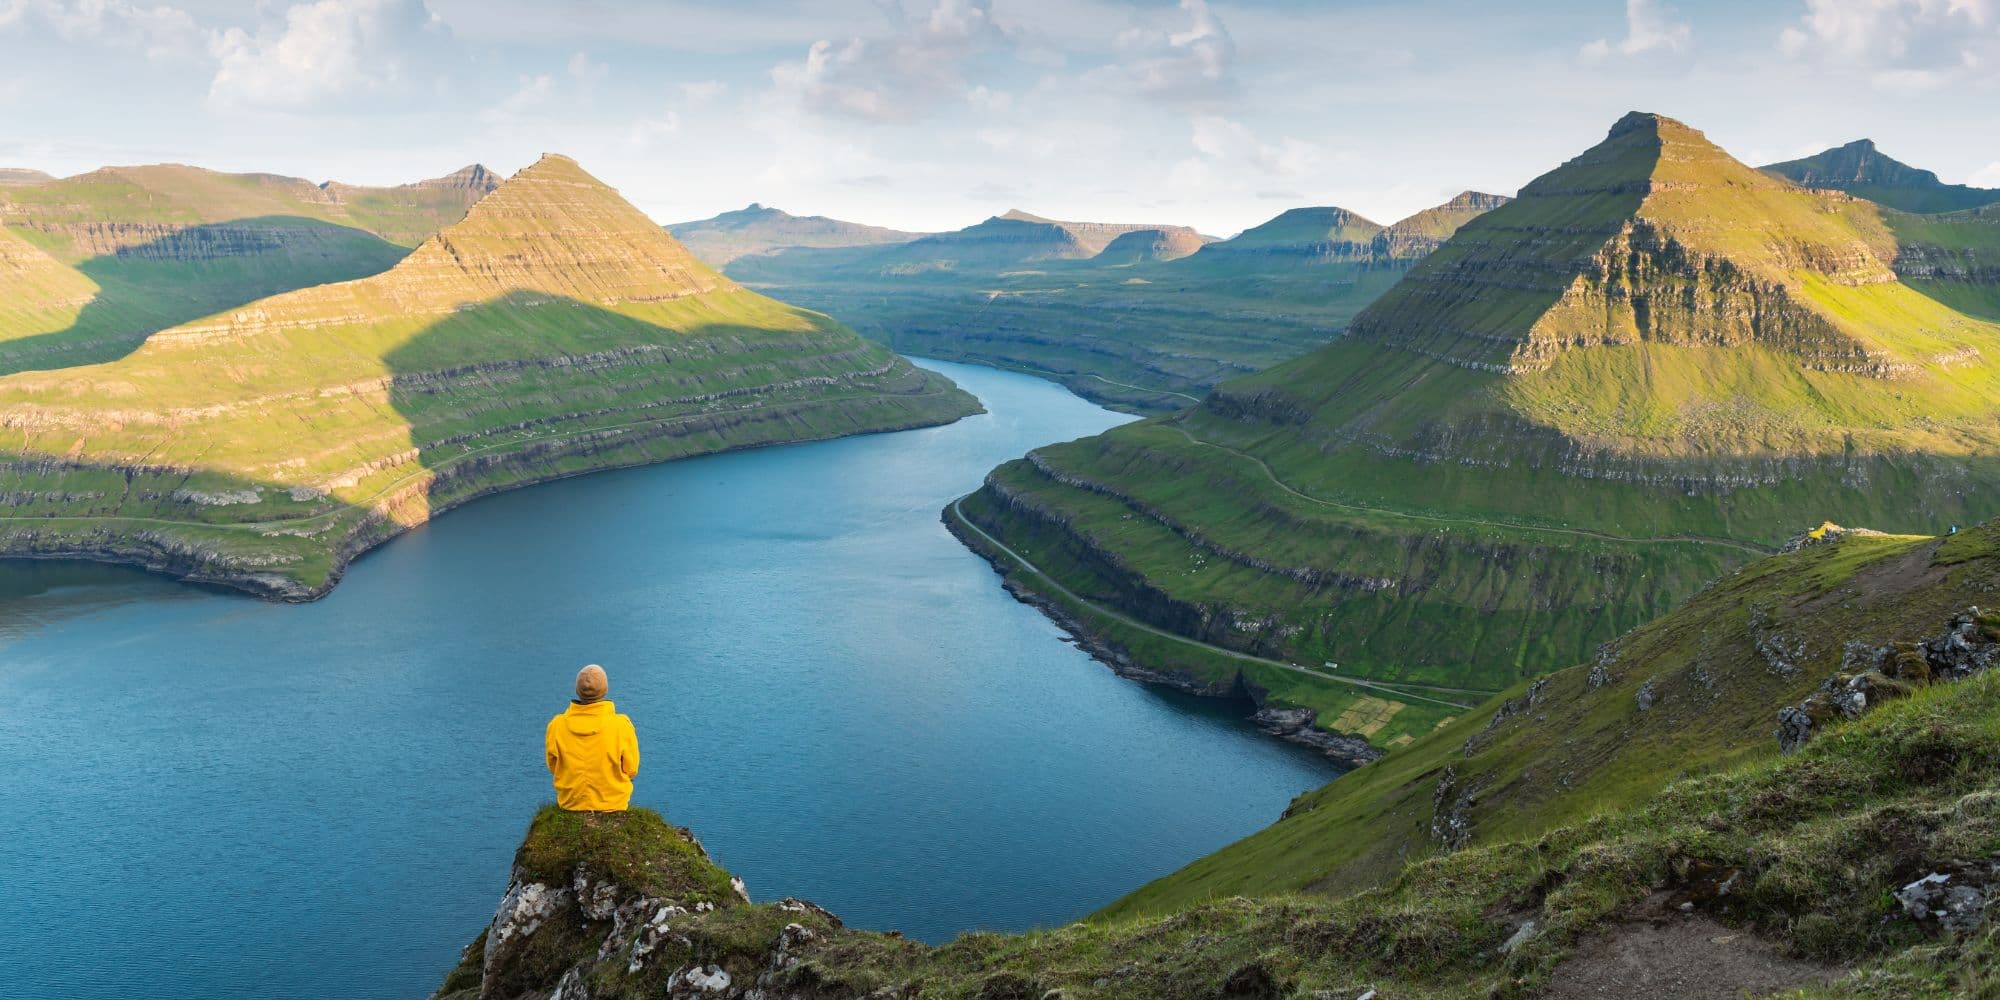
{"type": "Point", "coordinates": [1293, 725]}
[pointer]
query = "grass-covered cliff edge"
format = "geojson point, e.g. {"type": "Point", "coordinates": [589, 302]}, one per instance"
{"type": "Point", "coordinates": [553, 331]}
{"type": "Point", "coordinates": [1653, 366]}
{"type": "Point", "coordinates": [1627, 827]}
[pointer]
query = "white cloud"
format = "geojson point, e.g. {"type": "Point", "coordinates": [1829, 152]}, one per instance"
{"type": "Point", "coordinates": [702, 91]}
{"type": "Point", "coordinates": [1221, 139]}
{"type": "Point", "coordinates": [653, 131]}
{"type": "Point", "coordinates": [1986, 176]}
{"type": "Point", "coordinates": [1648, 28]}
{"type": "Point", "coordinates": [1904, 46]}
{"type": "Point", "coordinates": [587, 71]}
{"type": "Point", "coordinates": [323, 52]}
{"type": "Point", "coordinates": [535, 93]}
{"type": "Point", "coordinates": [897, 77]}
{"type": "Point", "coordinates": [1194, 64]}
{"type": "Point", "coordinates": [160, 31]}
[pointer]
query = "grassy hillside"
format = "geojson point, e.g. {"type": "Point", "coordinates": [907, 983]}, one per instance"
{"type": "Point", "coordinates": [758, 229]}
{"type": "Point", "coordinates": [1860, 169]}
{"type": "Point", "coordinates": [1146, 324]}
{"type": "Point", "coordinates": [144, 248]}
{"type": "Point", "coordinates": [1575, 840]}
{"type": "Point", "coordinates": [555, 330]}
{"type": "Point", "coordinates": [1653, 366]}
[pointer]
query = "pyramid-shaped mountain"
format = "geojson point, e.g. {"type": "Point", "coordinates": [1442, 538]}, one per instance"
{"type": "Point", "coordinates": [552, 331]}
{"type": "Point", "coordinates": [1864, 171]}
{"type": "Point", "coordinates": [154, 246]}
{"type": "Point", "coordinates": [1654, 364]}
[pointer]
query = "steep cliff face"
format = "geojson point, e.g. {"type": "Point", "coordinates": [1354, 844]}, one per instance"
{"type": "Point", "coordinates": [1651, 366]}
{"type": "Point", "coordinates": [553, 331]}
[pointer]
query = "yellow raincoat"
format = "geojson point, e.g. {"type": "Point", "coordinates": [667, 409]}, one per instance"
{"type": "Point", "coordinates": [593, 753]}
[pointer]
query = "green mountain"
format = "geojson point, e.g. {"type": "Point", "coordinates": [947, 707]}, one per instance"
{"type": "Point", "coordinates": [150, 247]}
{"type": "Point", "coordinates": [758, 229]}
{"type": "Point", "coordinates": [554, 330]}
{"type": "Point", "coordinates": [1143, 324]}
{"type": "Point", "coordinates": [1860, 169]}
{"type": "Point", "coordinates": [1652, 366]}
{"type": "Point", "coordinates": [1097, 236]}
{"type": "Point", "coordinates": [1141, 246]}
{"type": "Point", "coordinates": [1628, 827]}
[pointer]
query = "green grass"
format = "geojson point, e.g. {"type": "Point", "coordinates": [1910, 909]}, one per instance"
{"type": "Point", "coordinates": [1809, 845]}
{"type": "Point", "coordinates": [636, 849]}
{"type": "Point", "coordinates": [1654, 366]}
{"type": "Point", "coordinates": [555, 331]}
{"type": "Point", "coordinates": [128, 251]}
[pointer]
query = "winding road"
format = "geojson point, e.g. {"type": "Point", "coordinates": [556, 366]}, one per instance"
{"type": "Point", "coordinates": [1128, 620]}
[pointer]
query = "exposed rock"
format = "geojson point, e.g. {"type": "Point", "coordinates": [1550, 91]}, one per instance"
{"type": "Point", "coordinates": [1451, 822]}
{"type": "Point", "coordinates": [1646, 697]}
{"type": "Point", "coordinates": [1781, 652]}
{"type": "Point", "coordinates": [1298, 725]}
{"type": "Point", "coordinates": [1955, 900]}
{"type": "Point", "coordinates": [1794, 728]}
{"type": "Point", "coordinates": [1507, 710]}
{"type": "Point", "coordinates": [1870, 675]}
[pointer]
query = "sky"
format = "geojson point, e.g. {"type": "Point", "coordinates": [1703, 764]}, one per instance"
{"type": "Point", "coordinates": [934, 114]}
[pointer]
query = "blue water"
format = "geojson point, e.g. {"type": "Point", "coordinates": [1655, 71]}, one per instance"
{"type": "Point", "coordinates": [202, 794]}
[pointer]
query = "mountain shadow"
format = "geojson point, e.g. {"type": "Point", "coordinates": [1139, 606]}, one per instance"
{"type": "Point", "coordinates": [184, 274]}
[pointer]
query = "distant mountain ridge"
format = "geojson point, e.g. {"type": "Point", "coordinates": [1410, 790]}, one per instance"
{"type": "Point", "coordinates": [1329, 234]}
{"type": "Point", "coordinates": [758, 229]}
{"type": "Point", "coordinates": [1860, 169]}
{"type": "Point", "coordinates": [1096, 236]}
{"type": "Point", "coordinates": [1155, 317]}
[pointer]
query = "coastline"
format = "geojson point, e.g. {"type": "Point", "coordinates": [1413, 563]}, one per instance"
{"type": "Point", "coordinates": [158, 551]}
{"type": "Point", "coordinates": [1293, 725]}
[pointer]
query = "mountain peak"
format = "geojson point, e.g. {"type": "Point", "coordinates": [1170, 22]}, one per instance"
{"type": "Point", "coordinates": [553, 227]}
{"type": "Point", "coordinates": [1609, 241]}
{"type": "Point", "coordinates": [1861, 169]}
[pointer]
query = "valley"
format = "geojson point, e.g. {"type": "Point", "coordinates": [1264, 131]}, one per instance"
{"type": "Point", "coordinates": [1140, 317]}
{"type": "Point", "coordinates": [1652, 367]}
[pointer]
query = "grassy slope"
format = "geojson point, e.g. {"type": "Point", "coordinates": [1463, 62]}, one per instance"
{"type": "Point", "coordinates": [1587, 404]}
{"type": "Point", "coordinates": [1145, 336]}
{"type": "Point", "coordinates": [146, 248]}
{"type": "Point", "coordinates": [554, 331]}
{"type": "Point", "coordinates": [1592, 820]}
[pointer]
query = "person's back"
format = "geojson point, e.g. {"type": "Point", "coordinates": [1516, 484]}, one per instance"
{"type": "Point", "coordinates": [593, 752]}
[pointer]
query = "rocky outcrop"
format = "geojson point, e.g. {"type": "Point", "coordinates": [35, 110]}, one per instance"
{"type": "Point", "coordinates": [1970, 644]}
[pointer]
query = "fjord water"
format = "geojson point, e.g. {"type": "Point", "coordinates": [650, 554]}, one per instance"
{"type": "Point", "coordinates": [208, 795]}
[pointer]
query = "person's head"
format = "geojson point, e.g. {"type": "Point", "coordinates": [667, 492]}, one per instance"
{"type": "Point", "coordinates": [591, 684]}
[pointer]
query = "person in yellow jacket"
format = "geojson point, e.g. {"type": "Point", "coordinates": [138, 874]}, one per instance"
{"type": "Point", "coordinates": [593, 751]}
